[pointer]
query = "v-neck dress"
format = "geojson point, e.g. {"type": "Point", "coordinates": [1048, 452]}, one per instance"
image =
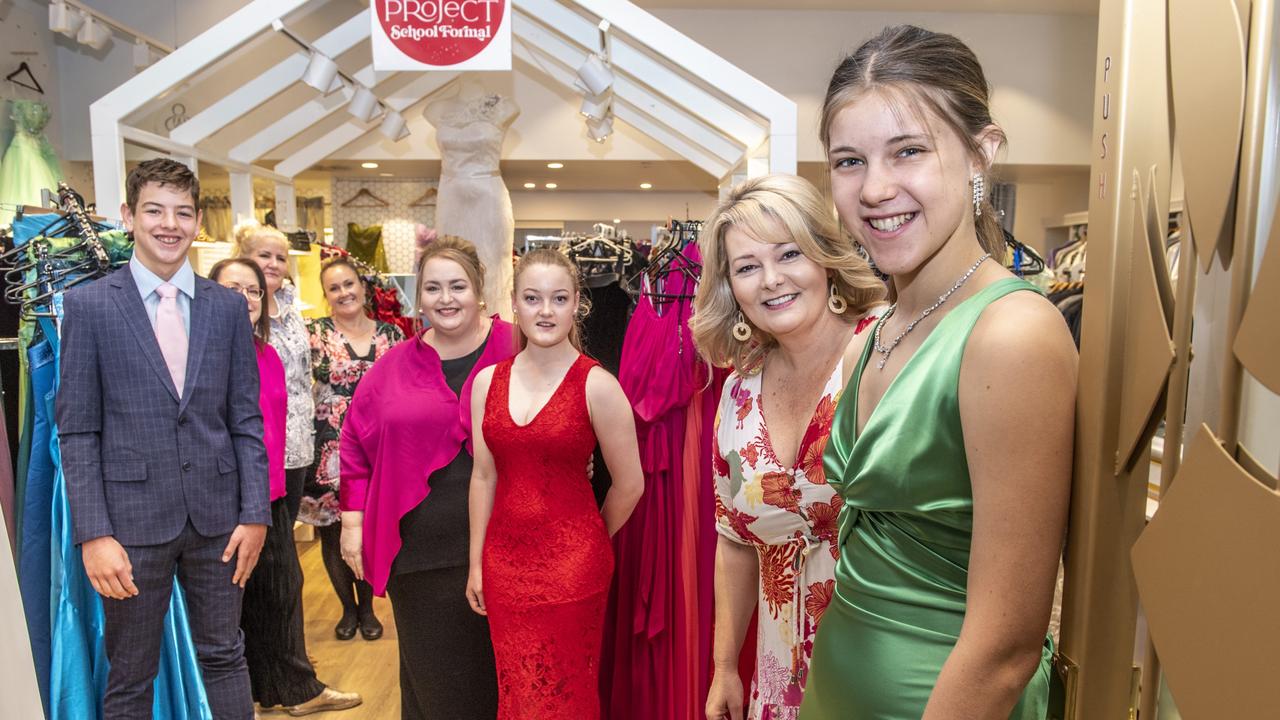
{"type": "Point", "coordinates": [547, 561]}
{"type": "Point", "coordinates": [905, 530]}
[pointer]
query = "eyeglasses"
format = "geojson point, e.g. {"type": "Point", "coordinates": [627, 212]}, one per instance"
{"type": "Point", "coordinates": [250, 293]}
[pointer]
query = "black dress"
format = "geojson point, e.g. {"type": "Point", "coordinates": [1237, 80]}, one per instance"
{"type": "Point", "coordinates": [446, 658]}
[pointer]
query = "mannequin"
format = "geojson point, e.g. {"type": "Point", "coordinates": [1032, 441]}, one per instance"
{"type": "Point", "coordinates": [473, 202]}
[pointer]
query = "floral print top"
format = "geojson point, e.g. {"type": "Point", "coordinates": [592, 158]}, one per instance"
{"type": "Point", "coordinates": [789, 515]}
{"type": "Point", "coordinates": [336, 370]}
{"type": "Point", "coordinates": [289, 338]}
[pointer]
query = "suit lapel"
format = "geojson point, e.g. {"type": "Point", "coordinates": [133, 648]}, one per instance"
{"type": "Point", "coordinates": [197, 335]}
{"type": "Point", "coordinates": [135, 316]}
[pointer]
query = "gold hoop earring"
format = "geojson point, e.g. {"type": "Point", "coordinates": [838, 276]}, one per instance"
{"type": "Point", "coordinates": [836, 302]}
{"type": "Point", "coordinates": [741, 330]}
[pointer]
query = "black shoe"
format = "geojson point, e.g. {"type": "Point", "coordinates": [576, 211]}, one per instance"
{"type": "Point", "coordinates": [346, 627]}
{"type": "Point", "coordinates": [370, 628]}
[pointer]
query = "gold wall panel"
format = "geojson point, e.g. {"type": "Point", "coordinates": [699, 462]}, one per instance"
{"type": "Point", "coordinates": [1207, 574]}
{"type": "Point", "coordinates": [1148, 351]}
{"type": "Point", "coordinates": [1258, 342]}
{"type": "Point", "coordinates": [1207, 70]}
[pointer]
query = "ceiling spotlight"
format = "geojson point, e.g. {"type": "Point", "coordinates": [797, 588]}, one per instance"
{"type": "Point", "coordinates": [595, 74]}
{"type": "Point", "coordinates": [617, 220]}
{"type": "Point", "coordinates": [551, 186]}
{"type": "Point", "coordinates": [141, 54]}
{"type": "Point", "coordinates": [555, 165]}
{"type": "Point", "coordinates": [364, 105]}
{"type": "Point", "coordinates": [64, 19]}
{"type": "Point", "coordinates": [322, 73]}
{"type": "Point", "coordinates": [530, 186]}
{"type": "Point", "coordinates": [646, 186]}
{"type": "Point", "coordinates": [596, 106]}
{"type": "Point", "coordinates": [369, 165]}
{"type": "Point", "coordinates": [93, 33]}
{"type": "Point", "coordinates": [599, 130]}
{"type": "Point", "coordinates": [393, 126]}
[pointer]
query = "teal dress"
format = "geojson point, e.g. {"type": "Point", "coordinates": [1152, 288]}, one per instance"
{"type": "Point", "coordinates": [904, 534]}
{"type": "Point", "coordinates": [29, 162]}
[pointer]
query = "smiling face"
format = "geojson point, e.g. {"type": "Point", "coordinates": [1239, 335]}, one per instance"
{"type": "Point", "coordinates": [546, 304]}
{"type": "Point", "coordinates": [164, 223]}
{"type": "Point", "coordinates": [272, 255]}
{"type": "Point", "coordinates": [447, 298]}
{"type": "Point", "coordinates": [779, 289]}
{"type": "Point", "coordinates": [344, 291]}
{"type": "Point", "coordinates": [900, 179]}
{"type": "Point", "coordinates": [244, 281]}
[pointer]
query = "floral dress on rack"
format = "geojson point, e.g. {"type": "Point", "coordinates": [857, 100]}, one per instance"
{"type": "Point", "coordinates": [789, 516]}
{"type": "Point", "coordinates": [336, 370]}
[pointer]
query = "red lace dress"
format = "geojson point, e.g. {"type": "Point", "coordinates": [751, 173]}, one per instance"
{"type": "Point", "coordinates": [547, 559]}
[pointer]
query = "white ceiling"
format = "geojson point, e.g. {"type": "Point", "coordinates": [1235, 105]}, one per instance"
{"type": "Point", "coordinates": [1054, 7]}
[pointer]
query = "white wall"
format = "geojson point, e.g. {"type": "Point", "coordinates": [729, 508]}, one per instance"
{"type": "Point", "coordinates": [1040, 66]}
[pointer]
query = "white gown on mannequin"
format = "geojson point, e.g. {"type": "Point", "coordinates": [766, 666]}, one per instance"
{"type": "Point", "coordinates": [473, 202]}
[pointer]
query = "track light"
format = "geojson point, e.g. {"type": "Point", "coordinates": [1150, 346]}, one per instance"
{"type": "Point", "coordinates": [322, 73]}
{"type": "Point", "coordinates": [94, 34]}
{"type": "Point", "coordinates": [141, 54]}
{"type": "Point", "coordinates": [364, 105]}
{"type": "Point", "coordinates": [393, 126]}
{"type": "Point", "coordinates": [596, 106]}
{"type": "Point", "coordinates": [64, 19]}
{"type": "Point", "coordinates": [600, 130]}
{"type": "Point", "coordinates": [595, 75]}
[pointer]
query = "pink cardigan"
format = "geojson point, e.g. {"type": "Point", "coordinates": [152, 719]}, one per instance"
{"type": "Point", "coordinates": [273, 398]}
{"type": "Point", "coordinates": [403, 424]}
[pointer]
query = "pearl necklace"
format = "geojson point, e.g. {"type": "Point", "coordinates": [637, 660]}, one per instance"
{"type": "Point", "coordinates": [885, 351]}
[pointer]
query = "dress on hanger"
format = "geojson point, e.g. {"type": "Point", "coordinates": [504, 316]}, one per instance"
{"type": "Point", "coordinates": [29, 163]}
{"type": "Point", "coordinates": [473, 202]}
{"type": "Point", "coordinates": [547, 561]}
{"type": "Point", "coordinates": [365, 243]}
{"type": "Point", "coordinates": [905, 530]}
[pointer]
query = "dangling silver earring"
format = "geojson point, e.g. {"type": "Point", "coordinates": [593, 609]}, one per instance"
{"type": "Point", "coordinates": [978, 193]}
{"type": "Point", "coordinates": [836, 302]}
{"type": "Point", "coordinates": [741, 330]}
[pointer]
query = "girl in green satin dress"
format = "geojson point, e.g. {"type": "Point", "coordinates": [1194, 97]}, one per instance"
{"type": "Point", "coordinates": [951, 447]}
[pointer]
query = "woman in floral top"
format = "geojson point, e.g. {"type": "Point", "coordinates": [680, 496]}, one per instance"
{"type": "Point", "coordinates": [785, 299]}
{"type": "Point", "coordinates": [343, 347]}
{"type": "Point", "coordinates": [269, 249]}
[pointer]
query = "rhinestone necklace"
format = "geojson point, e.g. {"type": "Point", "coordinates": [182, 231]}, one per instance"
{"type": "Point", "coordinates": [885, 351]}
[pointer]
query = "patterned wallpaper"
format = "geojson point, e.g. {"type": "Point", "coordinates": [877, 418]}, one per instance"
{"type": "Point", "coordinates": [397, 218]}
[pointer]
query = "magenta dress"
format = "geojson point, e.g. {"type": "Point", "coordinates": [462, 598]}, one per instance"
{"type": "Point", "coordinates": [273, 398]}
{"type": "Point", "coordinates": [647, 629]}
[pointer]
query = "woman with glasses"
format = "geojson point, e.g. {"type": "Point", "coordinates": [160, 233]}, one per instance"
{"type": "Point", "coordinates": [344, 346]}
{"type": "Point", "coordinates": [271, 614]}
{"type": "Point", "coordinates": [268, 248]}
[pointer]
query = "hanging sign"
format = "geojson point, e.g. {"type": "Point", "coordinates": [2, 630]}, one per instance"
{"type": "Point", "coordinates": [441, 34]}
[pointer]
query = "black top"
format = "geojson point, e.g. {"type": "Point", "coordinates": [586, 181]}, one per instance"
{"type": "Point", "coordinates": [436, 533]}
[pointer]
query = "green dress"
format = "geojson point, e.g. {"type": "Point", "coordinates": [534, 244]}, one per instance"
{"type": "Point", "coordinates": [904, 534]}
{"type": "Point", "coordinates": [29, 162]}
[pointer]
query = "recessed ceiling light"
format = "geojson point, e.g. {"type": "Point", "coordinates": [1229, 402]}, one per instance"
{"type": "Point", "coordinates": [530, 186]}
{"type": "Point", "coordinates": [387, 174]}
{"type": "Point", "coordinates": [617, 220]}
{"type": "Point", "coordinates": [550, 186]}
{"type": "Point", "coordinates": [369, 165]}
{"type": "Point", "coordinates": [645, 186]}
{"type": "Point", "coordinates": [555, 165]}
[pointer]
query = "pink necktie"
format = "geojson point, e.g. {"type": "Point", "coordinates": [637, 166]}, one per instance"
{"type": "Point", "coordinates": [171, 333]}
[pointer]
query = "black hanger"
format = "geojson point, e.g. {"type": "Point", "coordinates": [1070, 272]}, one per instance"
{"type": "Point", "coordinates": [1026, 260]}
{"type": "Point", "coordinates": [22, 77]}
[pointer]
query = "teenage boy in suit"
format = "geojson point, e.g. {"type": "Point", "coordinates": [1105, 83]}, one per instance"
{"type": "Point", "coordinates": [161, 441]}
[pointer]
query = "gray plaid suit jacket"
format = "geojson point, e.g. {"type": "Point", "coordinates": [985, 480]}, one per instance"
{"type": "Point", "coordinates": [139, 460]}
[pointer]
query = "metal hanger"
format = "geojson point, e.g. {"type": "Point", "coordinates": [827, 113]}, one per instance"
{"type": "Point", "coordinates": [23, 77]}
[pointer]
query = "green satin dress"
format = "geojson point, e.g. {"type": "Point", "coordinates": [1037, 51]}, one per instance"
{"type": "Point", "coordinates": [904, 536]}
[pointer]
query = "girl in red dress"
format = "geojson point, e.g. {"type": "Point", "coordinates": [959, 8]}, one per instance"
{"type": "Point", "coordinates": [541, 560]}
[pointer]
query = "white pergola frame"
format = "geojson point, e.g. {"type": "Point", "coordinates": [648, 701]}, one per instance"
{"type": "Point", "coordinates": [666, 86]}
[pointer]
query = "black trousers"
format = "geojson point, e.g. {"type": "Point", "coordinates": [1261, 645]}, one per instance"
{"type": "Point", "coordinates": [446, 657]}
{"type": "Point", "coordinates": [294, 479]}
{"type": "Point", "coordinates": [274, 645]}
{"type": "Point", "coordinates": [134, 627]}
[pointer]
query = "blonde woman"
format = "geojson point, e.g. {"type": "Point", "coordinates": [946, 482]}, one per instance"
{"type": "Point", "coordinates": [785, 300]}
{"type": "Point", "coordinates": [268, 248]}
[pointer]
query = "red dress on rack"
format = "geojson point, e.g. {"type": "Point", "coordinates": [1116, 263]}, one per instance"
{"type": "Point", "coordinates": [547, 560]}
